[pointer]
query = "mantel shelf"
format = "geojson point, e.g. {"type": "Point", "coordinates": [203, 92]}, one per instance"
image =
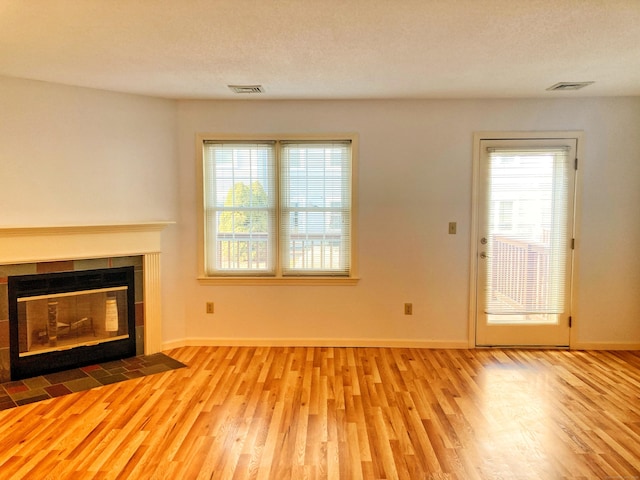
{"type": "Point", "coordinates": [82, 229]}
{"type": "Point", "coordinates": [70, 242]}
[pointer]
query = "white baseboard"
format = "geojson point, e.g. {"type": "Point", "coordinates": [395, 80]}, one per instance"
{"type": "Point", "coordinates": [361, 342]}
{"type": "Point", "coordinates": [312, 342]}
{"type": "Point", "coordinates": [605, 346]}
{"type": "Point", "coordinates": [175, 344]}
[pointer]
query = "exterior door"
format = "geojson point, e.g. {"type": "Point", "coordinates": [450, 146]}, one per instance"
{"type": "Point", "coordinates": [524, 241]}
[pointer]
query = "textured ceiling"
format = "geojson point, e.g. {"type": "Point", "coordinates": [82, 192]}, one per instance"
{"type": "Point", "coordinates": [322, 49]}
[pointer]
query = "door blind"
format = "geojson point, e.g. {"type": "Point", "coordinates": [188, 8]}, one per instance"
{"type": "Point", "coordinates": [528, 239]}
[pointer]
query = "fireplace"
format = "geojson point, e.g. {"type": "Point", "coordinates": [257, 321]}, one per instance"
{"type": "Point", "coordinates": [48, 249]}
{"type": "Point", "coordinates": [70, 319]}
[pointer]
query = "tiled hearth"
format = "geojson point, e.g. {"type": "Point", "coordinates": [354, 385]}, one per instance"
{"type": "Point", "coordinates": [30, 390]}
{"type": "Point", "coordinates": [32, 250]}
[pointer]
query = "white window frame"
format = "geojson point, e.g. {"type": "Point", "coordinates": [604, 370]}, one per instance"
{"type": "Point", "coordinates": [277, 278]}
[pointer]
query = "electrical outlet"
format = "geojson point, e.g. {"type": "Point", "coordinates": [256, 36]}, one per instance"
{"type": "Point", "coordinates": [453, 228]}
{"type": "Point", "coordinates": [408, 308]}
{"type": "Point", "coordinates": [209, 307]}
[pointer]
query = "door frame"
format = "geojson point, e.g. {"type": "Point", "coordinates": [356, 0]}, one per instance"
{"type": "Point", "coordinates": [473, 264]}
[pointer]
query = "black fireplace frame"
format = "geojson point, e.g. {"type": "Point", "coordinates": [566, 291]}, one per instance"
{"type": "Point", "coordinates": [20, 286]}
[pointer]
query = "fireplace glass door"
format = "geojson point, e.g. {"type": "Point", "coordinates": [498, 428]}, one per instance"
{"type": "Point", "coordinates": [72, 319]}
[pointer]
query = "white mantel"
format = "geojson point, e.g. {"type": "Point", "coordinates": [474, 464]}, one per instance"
{"type": "Point", "coordinates": [57, 243]}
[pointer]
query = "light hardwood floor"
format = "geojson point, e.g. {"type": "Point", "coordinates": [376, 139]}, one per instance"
{"type": "Point", "coordinates": [347, 413]}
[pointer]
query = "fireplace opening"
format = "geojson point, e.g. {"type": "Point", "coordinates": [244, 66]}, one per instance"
{"type": "Point", "coordinates": [64, 320]}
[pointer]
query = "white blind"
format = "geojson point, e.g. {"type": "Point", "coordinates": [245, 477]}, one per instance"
{"type": "Point", "coordinates": [240, 213]}
{"type": "Point", "coordinates": [528, 236]}
{"type": "Point", "coordinates": [315, 208]}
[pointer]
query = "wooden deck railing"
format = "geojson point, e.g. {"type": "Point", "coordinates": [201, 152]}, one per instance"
{"type": "Point", "coordinates": [250, 250]}
{"type": "Point", "coordinates": [520, 273]}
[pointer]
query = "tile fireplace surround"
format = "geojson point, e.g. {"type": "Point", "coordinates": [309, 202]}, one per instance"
{"type": "Point", "coordinates": [26, 250]}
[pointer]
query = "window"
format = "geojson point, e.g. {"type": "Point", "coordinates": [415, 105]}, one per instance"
{"type": "Point", "coordinates": [505, 215]}
{"type": "Point", "coordinates": [277, 209]}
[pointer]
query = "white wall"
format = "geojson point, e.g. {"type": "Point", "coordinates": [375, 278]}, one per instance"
{"type": "Point", "coordinates": [74, 156]}
{"type": "Point", "coordinates": [415, 177]}
{"type": "Point", "coordinates": [78, 156]}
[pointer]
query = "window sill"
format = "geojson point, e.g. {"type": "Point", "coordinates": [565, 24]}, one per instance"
{"type": "Point", "coordinates": [257, 281]}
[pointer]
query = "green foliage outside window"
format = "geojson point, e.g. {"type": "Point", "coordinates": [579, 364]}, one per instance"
{"type": "Point", "coordinates": [251, 219]}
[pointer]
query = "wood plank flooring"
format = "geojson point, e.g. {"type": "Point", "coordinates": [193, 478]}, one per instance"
{"type": "Point", "coordinates": [342, 413]}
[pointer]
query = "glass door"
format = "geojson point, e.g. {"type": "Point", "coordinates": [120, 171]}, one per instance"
{"type": "Point", "coordinates": [524, 242]}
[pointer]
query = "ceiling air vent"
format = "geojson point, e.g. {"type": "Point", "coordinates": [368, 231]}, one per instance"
{"type": "Point", "coordinates": [246, 88]}
{"type": "Point", "coordinates": [569, 86]}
